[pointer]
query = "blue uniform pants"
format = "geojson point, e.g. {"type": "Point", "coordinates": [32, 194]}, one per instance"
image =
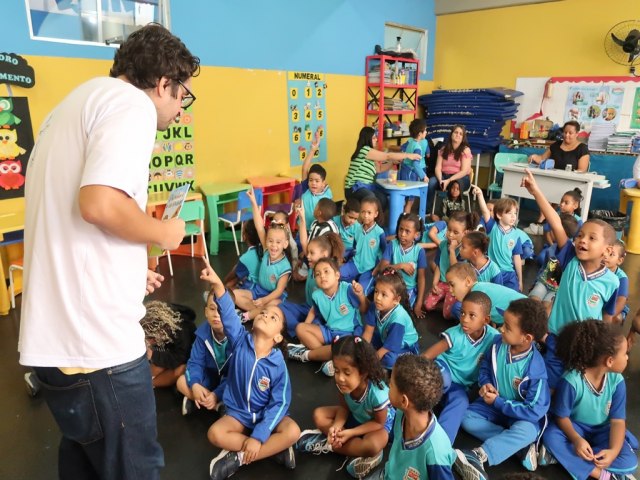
{"type": "Point", "coordinates": [349, 272]}
{"type": "Point", "coordinates": [294, 314]}
{"type": "Point", "coordinates": [502, 436]}
{"type": "Point", "coordinates": [598, 437]}
{"type": "Point", "coordinates": [389, 358]}
{"type": "Point", "coordinates": [510, 280]}
{"type": "Point", "coordinates": [108, 422]}
{"type": "Point", "coordinates": [452, 407]}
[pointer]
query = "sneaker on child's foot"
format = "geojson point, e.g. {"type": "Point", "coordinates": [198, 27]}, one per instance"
{"type": "Point", "coordinates": [469, 465]}
{"type": "Point", "coordinates": [621, 476]}
{"type": "Point", "coordinates": [297, 352]}
{"type": "Point", "coordinates": [287, 458]}
{"type": "Point", "coordinates": [313, 441]}
{"type": "Point", "coordinates": [545, 457]}
{"type": "Point", "coordinates": [359, 467]}
{"type": "Point", "coordinates": [32, 383]}
{"type": "Point", "coordinates": [534, 229]}
{"type": "Point", "coordinates": [327, 369]}
{"type": "Point", "coordinates": [224, 465]}
{"type": "Point", "coordinates": [530, 458]}
{"type": "Point", "coordinates": [187, 406]}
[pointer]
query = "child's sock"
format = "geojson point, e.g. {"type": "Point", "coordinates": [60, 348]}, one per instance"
{"type": "Point", "coordinates": [240, 457]}
{"type": "Point", "coordinates": [305, 356]}
{"type": "Point", "coordinates": [481, 454]}
{"type": "Point", "coordinates": [605, 474]}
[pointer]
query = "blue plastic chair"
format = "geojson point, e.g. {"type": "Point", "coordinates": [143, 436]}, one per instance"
{"type": "Point", "coordinates": [192, 213]}
{"type": "Point", "coordinates": [244, 212]}
{"type": "Point", "coordinates": [500, 160]}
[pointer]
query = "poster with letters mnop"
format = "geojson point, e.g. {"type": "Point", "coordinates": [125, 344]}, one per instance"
{"type": "Point", "coordinates": [173, 161]}
{"type": "Point", "coordinates": [306, 107]}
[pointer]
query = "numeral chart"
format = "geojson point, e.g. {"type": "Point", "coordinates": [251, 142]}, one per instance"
{"type": "Point", "coordinates": [306, 93]}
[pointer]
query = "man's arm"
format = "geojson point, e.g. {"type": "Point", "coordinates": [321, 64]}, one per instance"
{"type": "Point", "coordinates": [116, 213]}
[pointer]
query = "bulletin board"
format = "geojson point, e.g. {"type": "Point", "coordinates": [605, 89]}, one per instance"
{"type": "Point", "coordinates": [16, 143]}
{"type": "Point", "coordinates": [589, 100]}
{"type": "Point", "coordinates": [173, 160]}
{"type": "Point", "coordinates": [306, 98]}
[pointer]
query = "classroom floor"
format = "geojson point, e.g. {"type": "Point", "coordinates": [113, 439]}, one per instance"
{"type": "Point", "coordinates": [29, 436]}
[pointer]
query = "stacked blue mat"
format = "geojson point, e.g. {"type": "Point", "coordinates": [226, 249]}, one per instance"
{"type": "Point", "coordinates": [483, 111]}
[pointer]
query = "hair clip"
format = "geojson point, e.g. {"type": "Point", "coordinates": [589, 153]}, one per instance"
{"type": "Point", "coordinates": [357, 339]}
{"type": "Point", "coordinates": [337, 337]}
{"type": "Point", "coordinates": [388, 271]}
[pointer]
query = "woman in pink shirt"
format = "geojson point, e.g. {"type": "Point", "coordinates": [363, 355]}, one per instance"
{"type": "Point", "coordinates": [453, 163]}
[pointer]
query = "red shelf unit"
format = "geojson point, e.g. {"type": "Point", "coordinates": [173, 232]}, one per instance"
{"type": "Point", "coordinates": [405, 72]}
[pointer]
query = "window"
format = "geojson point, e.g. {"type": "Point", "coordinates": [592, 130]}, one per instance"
{"type": "Point", "coordinates": [92, 21]}
{"type": "Point", "coordinates": [410, 38]}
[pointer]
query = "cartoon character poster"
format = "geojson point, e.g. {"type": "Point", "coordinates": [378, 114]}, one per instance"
{"type": "Point", "coordinates": [306, 96]}
{"type": "Point", "coordinates": [594, 104]}
{"type": "Point", "coordinates": [635, 110]}
{"type": "Point", "coordinates": [16, 143]}
{"type": "Point", "coordinates": [173, 160]}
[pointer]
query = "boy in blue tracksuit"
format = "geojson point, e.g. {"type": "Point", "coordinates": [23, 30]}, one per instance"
{"type": "Point", "coordinates": [414, 170]}
{"type": "Point", "coordinates": [458, 355]}
{"type": "Point", "coordinates": [257, 394]}
{"type": "Point", "coordinates": [587, 289]}
{"type": "Point", "coordinates": [204, 378]}
{"type": "Point", "coordinates": [514, 394]}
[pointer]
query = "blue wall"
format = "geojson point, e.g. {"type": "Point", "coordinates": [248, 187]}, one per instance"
{"type": "Point", "coordinates": [330, 36]}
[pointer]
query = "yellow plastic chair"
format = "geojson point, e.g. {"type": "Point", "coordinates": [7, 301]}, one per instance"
{"type": "Point", "coordinates": [193, 215]}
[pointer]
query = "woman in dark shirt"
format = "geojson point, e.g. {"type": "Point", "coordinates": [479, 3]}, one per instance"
{"type": "Point", "coordinates": [569, 151]}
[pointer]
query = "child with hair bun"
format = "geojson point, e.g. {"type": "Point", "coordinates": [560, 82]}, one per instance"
{"type": "Point", "coordinates": [589, 436]}
{"type": "Point", "coordinates": [474, 250]}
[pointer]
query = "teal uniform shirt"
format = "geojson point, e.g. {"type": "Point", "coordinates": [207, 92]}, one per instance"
{"type": "Point", "coordinates": [249, 265]}
{"type": "Point", "coordinates": [440, 225]}
{"type": "Point", "coordinates": [429, 456]}
{"type": "Point", "coordinates": [500, 296]}
{"type": "Point", "coordinates": [578, 399]}
{"type": "Point", "coordinates": [489, 273]}
{"type": "Point", "coordinates": [339, 312]}
{"type": "Point", "coordinates": [310, 286]}
{"type": "Point", "coordinates": [395, 254]}
{"type": "Point", "coordinates": [509, 370]}
{"type": "Point", "coordinates": [503, 245]}
{"type": "Point", "coordinates": [374, 399]}
{"type": "Point", "coordinates": [465, 354]}
{"type": "Point", "coordinates": [270, 272]}
{"type": "Point", "coordinates": [415, 167]}
{"type": "Point", "coordinates": [442, 258]}
{"type": "Point", "coordinates": [369, 246]}
{"type": "Point", "coordinates": [581, 296]}
{"type": "Point", "coordinates": [346, 233]}
{"type": "Point", "coordinates": [396, 329]}
{"type": "Point", "coordinates": [310, 200]}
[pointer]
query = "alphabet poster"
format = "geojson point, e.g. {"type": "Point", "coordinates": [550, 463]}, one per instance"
{"type": "Point", "coordinates": [306, 93]}
{"type": "Point", "coordinates": [16, 143]}
{"type": "Point", "coordinates": [173, 162]}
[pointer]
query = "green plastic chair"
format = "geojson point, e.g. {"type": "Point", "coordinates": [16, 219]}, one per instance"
{"type": "Point", "coordinates": [192, 213]}
{"type": "Point", "coordinates": [499, 161]}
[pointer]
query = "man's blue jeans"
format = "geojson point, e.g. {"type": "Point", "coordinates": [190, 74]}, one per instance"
{"type": "Point", "coordinates": [108, 422]}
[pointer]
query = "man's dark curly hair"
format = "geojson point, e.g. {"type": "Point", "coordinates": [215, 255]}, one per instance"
{"type": "Point", "coordinates": [151, 53]}
{"type": "Point", "coordinates": [419, 379]}
{"type": "Point", "coordinates": [585, 344]}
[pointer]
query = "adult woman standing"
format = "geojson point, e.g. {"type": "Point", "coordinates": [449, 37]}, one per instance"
{"type": "Point", "coordinates": [453, 163]}
{"type": "Point", "coordinates": [568, 151]}
{"type": "Point", "coordinates": [366, 162]}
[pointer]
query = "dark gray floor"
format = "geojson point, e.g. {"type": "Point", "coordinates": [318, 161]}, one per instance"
{"type": "Point", "coordinates": [29, 436]}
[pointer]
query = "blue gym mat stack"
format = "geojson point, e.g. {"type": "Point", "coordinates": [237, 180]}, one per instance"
{"type": "Point", "coordinates": [483, 111]}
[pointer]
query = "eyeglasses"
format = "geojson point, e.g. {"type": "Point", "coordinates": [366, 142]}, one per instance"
{"type": "Point", "coordinates": [188, 99]}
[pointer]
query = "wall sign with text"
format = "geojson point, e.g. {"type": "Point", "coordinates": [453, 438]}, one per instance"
{"type": "Point", "coordinates": [172, 162]}
{"type": "Point", "coordinates": [306, 97]}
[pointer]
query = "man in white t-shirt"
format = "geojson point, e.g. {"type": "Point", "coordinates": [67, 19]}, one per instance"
{"type": "Point", "coordinates": [85, 259]}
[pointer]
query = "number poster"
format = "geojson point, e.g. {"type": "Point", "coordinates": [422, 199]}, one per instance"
{"type": "Point", "coordinates": [307, 115]}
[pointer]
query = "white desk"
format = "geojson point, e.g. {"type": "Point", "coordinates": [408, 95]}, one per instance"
{"type": "Point", "coordinates": [553, 183]}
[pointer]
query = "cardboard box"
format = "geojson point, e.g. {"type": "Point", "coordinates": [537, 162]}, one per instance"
{"type": "Point", "coordinates": [540, 128]}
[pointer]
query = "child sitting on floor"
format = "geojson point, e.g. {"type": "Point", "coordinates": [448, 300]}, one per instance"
{"type": "Point", "coordinates": [359, 427]}
{"type": "Point", "coordinates": [169, 332]}
{"type": "Point", "coordinates": [614, 260]}
{"type": "Point", "coordinates": [258, 391]}
{"type": "Point", "coordinates": [589, 436]}
{"type": "Point", "coordinates": [474, 250]}
{"type": "Point", "coordinates": [245, 273]}
{"type": "Point", "coordinates": [323, 222]}
{"type": "Point", "coordinates": [514, 395]}
{"type": "Point", "coordinates": [203, 381]}
{"type": "Point", "coordinates": [347, 224]}
{"type": "Point", "coordinates": [459, 354]}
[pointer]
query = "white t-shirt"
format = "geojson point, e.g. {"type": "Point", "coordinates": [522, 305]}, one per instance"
{"type": "Point", "coordinates": [83, 288]}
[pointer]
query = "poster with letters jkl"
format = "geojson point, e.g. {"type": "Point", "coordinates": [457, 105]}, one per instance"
{"type": "Point", "coordinates": [173, 162]}
{"type": "Point", "coordinates": [306, 96]}
{"type": "Point", "coordinates": [16, 143]}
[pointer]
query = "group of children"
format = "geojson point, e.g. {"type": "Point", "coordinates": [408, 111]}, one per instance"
{"type": "Point", "coordinates": [363, 293]}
